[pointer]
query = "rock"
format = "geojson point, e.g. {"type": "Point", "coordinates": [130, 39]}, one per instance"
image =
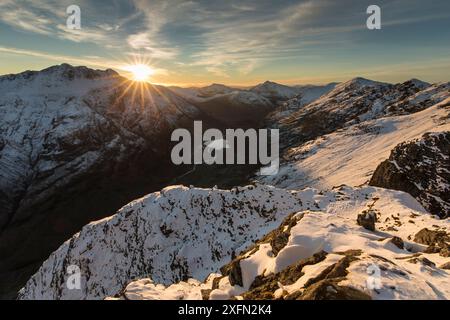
{"type": "Point", "coordinates": [398, 242]}
{"type": "Point", "coordinates": [445, 266]}
{"type": "Point", "coordinates": [264, 287]}
{"type": "Point", "coordinates": [335, 271]}
{"type": "Point", "coordinates": [330, 290]}
{"type": "Point", "coordinates": [205, 293]}
{"type": "Point", "coordinates": [423, 261]}
{"type": "Point", "coordinates": [430, 237]}
{"type": "Point", "coordinates": [367, 220]}
{"type": "Point", "coordinates": [233, 271]}
{"type": "Point", "coordinates": [422, 169]}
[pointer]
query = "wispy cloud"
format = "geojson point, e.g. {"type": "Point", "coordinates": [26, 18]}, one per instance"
{"type": "Point", "coordinates": [223, 38]}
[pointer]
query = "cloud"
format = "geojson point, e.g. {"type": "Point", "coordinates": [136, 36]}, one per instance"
{"type": "Point", "coordinates": [87, 61]}
{"type": "Point", "coordinates": [223, 38]}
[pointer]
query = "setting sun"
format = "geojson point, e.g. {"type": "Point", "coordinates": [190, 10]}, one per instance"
{"type": "Point", "coordinates": [140, 72]}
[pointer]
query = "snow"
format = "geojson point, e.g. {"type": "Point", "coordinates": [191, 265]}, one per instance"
{"type": "Point", "coordinates": [174, 233]}
{"type": "Point", "coordinates": [350, 155]}
{"type": "Point", "coordinates": [333, 228]}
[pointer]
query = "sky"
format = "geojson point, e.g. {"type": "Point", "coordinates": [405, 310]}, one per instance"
{"type": "Point", "coordinates": [245, 42]}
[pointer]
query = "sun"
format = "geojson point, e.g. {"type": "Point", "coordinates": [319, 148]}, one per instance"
{"type": "Point", "coordinates": [140, 72]}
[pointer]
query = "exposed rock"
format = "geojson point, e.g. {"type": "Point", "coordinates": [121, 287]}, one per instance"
{"type": "Point", "coordinates": [367, 220]}
{"type": "Point", "coordinates": [445, 266]}
{"type": "Point", "coordinates": [233, 271]}
{"type": "Point", "coordinates": [330, 290]}
{"type": "Point", "coordinates": [263, 287]}
{"type": "Point", "coordinates": [423, 260]}
{"type": "Point", "coordinates": [431, 237]}
{"type": "Point", "coordinates": [398, 242]}
{"type": "Point", "coordinates": [421, 168]}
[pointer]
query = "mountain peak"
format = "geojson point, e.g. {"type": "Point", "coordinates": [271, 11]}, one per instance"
{"type": "Point", "coordinates": [69, 71]}
{"type": "Point", "coordinates": [63, 71]}
{"type": "Point", "coordinates": [417, 83]}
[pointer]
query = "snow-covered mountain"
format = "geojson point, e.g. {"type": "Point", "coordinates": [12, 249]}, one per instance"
{"type": "Point", "coordinates": [75, 145]}
{"type": "Point", "coordinates": [169, 235]}
{"type": "Point", "coordinates": [239, 106]}
{"type": "Point", "coordinates": [184, 233]}
{"type": "Point", "coordinates": [275, 92]}
{"type": "Point", "coordinates": [355, 101]}
{"type": "Point", "coordinates": [324, 254]}
{"type": "Point", "coordinates": [350, 155]}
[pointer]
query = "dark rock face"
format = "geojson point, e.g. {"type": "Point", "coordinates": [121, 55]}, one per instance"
{"type": "Point", "coordinates": [430, 237]}
{"type": "Point", "coordinates": [437, 241]}
{"type": "Point", "coordinates": [422, 169]}
{"type": "Point", "coordinates": [367, 220]}
{"type": "Point", "coordinates": [330, 290]}
{"type": "Point", "coordinates": [398, 242]}
{"type": "Point", "coordinates": [264, 287]}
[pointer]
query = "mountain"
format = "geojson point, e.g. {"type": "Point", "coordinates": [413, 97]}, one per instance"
{"type": "Point", "coordinates": [275, 92]}
{"type": "Point", "coordinates": [200, 93]}
{"type": "Point", "coordinates": [351, 154]}
{"type": "Point", "coordinates": [421, 168]}
{"type": "Point", "coordinates": [76, 144]}
{"type": "Point", "coordinates": [239, 108]}
{"type": "Point", "coordinates": [172, 235]}
{"type": "Point", "coordinates": [309, 93]}
{"type": "Point", "coordinates": [349, 103]}
{"type": "Point", "coordinates": [306, 95]}
{"type": "Point", "coordinates": [182, 233]}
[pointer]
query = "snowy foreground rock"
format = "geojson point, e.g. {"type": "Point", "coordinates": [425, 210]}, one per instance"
{"type": "Point", "coordinates": [310, 246]}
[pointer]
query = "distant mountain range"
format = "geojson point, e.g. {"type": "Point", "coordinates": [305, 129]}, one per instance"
{"type": "Point", "coordinates": [77, 144]}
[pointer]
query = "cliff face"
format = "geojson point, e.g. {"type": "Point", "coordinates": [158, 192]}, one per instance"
{"type": "Point", "coordinates": [421, 168]}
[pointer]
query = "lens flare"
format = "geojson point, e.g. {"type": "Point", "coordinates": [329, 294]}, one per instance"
{"type": "Point", "coordinates": [140, 72]}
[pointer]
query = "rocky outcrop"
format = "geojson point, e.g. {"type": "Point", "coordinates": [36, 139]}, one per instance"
{"type": "Point", "coordinates": [421, 168]}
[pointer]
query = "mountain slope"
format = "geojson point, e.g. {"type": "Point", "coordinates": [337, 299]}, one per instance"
{"type": "Point", "coordinates": [171, 235]}
{"type": "Point", "coordinates": [351, 155]}
{"type": "Point", "coordinates": [275, 92]}
{"type": "Point", "coordinates": [349, 103]}
{"type": "Point", "coordinates": [75, 145]}
{"type": "Point", "coordinates": [182, 233]}
{"type": "Point", "coordinates": [325, 254]}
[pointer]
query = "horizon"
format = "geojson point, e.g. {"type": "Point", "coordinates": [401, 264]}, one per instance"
{"type": "Point", "coordinates": [233, 86]}
{"type": "Point", "coordinates": [235, 43]}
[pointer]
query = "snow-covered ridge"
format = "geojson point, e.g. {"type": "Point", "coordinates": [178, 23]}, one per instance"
{"type": "Point", "coordinates": [275, 91]}
{"type": "Point", "coordinates": [323, 253]}
{"type": "Point", "coordinates": [351, 155]}
{"type": "Point", "coordinates": [355, 101]}
{"type": "Point", "coordinates": [169, 235]}
{"type": "Point", "coordinates": [184, 233]}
